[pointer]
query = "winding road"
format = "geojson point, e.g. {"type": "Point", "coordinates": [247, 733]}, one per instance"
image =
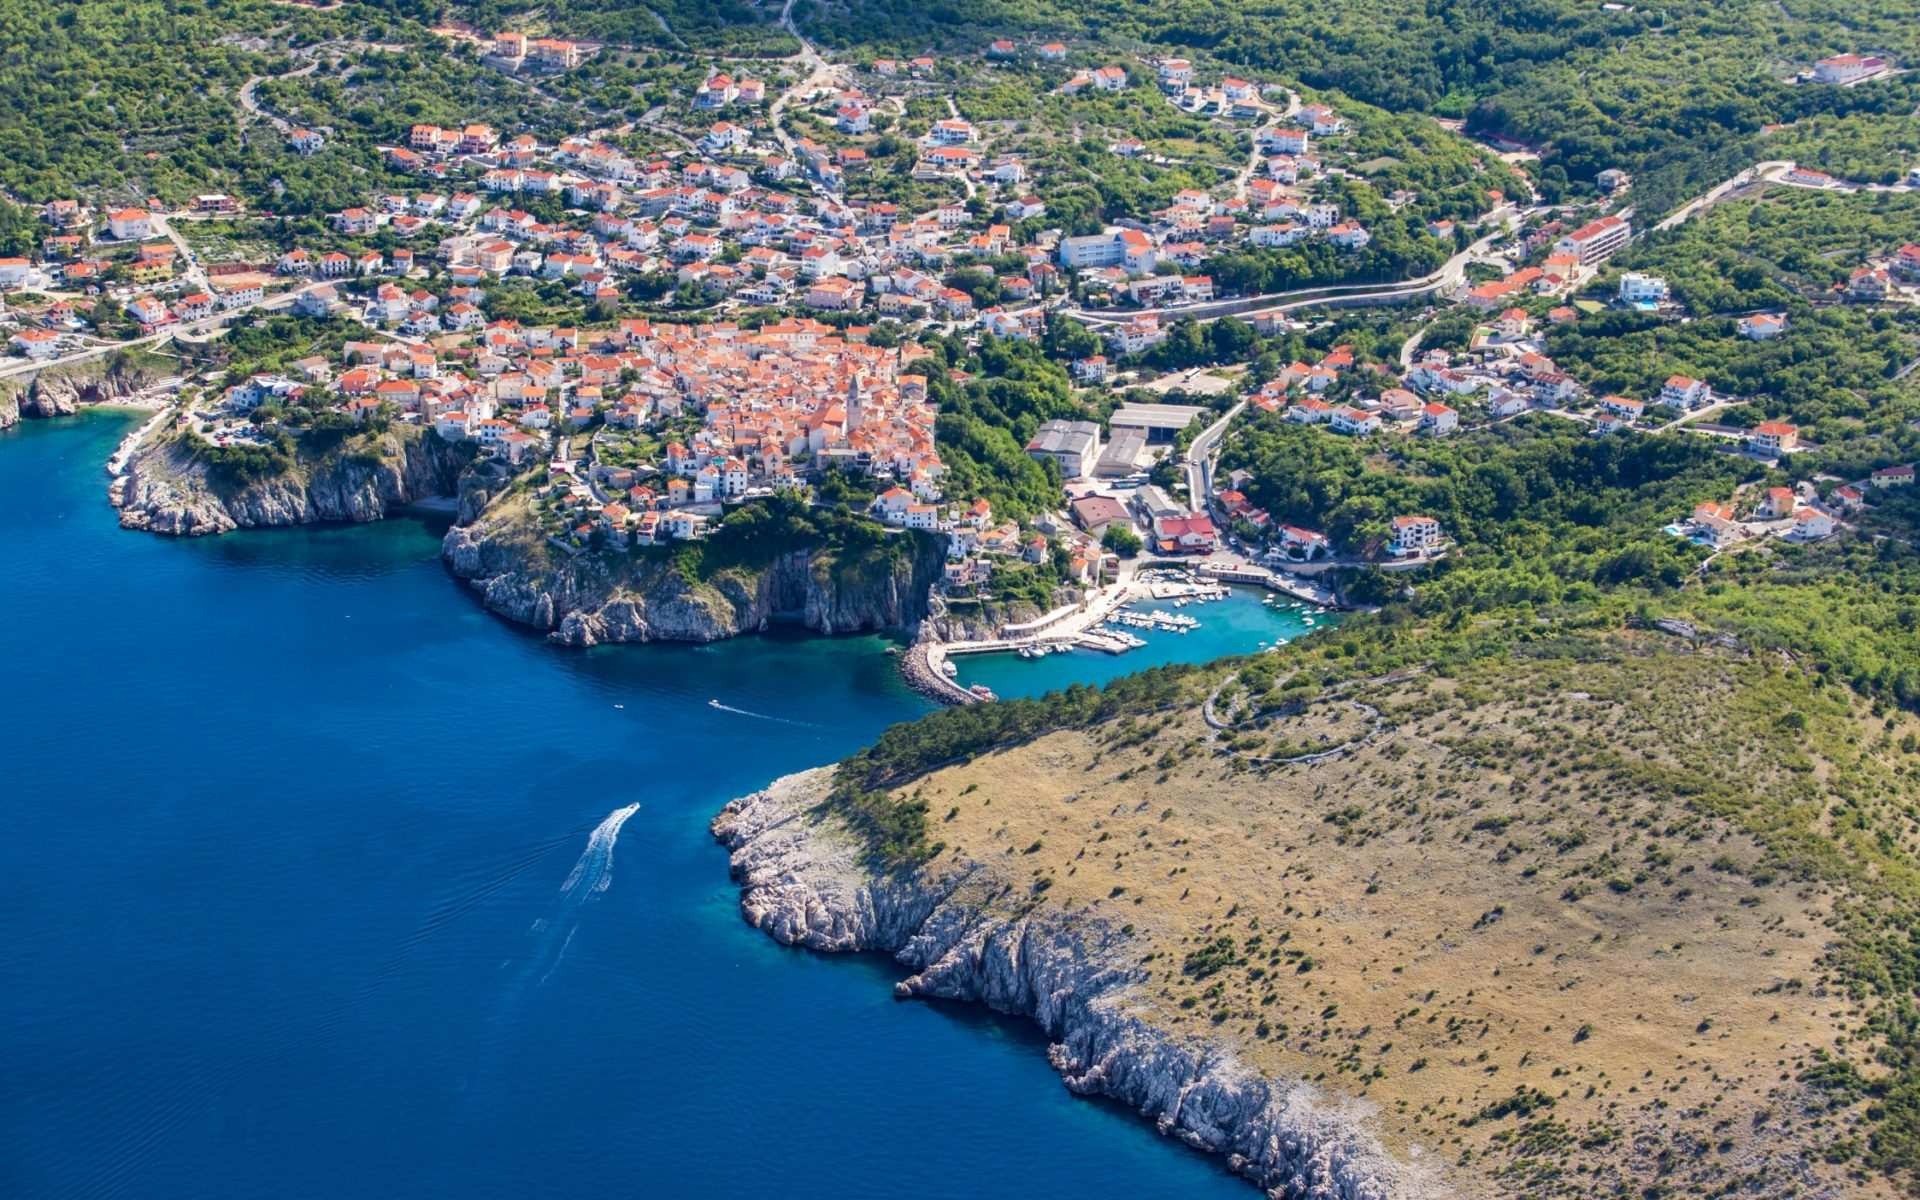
{"type": "Point", "coordinates": [251, 103]}
{"type": "Point", "coordinates": [820, 73]}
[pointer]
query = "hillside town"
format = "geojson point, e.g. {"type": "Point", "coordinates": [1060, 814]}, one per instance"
{"type": "Point", "coordinates": [785, 301]}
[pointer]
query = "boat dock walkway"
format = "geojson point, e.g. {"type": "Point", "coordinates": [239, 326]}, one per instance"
{"type": "Point", "coordinates": [1299, 589]}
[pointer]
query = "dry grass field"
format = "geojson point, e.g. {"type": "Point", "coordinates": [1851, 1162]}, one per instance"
{"type": "Point", "coordinates": [1577, 924]}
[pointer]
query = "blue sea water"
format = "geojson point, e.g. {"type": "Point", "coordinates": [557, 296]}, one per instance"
{"type": "Point", "coordinates": [315, 881]}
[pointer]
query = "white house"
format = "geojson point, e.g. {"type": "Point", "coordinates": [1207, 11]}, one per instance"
{"type": "Point", "coordinates": [1438, 419]}
{"type": "Point", "coordinates": [1685, 393]}
{"type": "Point", "coordinates": [1350, 420]}
{"type": "Point", "coordinates": [1847, 68]}
{"type": "Point", "coordinates": [1278, 139]}
{"type": "Point", "coordinates": [1303, 545]}
{"type": "Point", "coordinates": [35, 343]}
{"type": "Point", "coordinates": [130, 224]}
{"type": "Point", "coordinates": [1769, 439]}
{"type": "Point", "coordinates": [1636, 288]}
{"type": "Point", "coordinates": [1810, 524]}
{"type": "Point", "coordinates": [1350, 235]}
{"type": "Point", "coordinates": [1414, 535]}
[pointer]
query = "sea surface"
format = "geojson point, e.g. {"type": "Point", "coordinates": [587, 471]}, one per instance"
{"type": "Point", "coordinates": [318, 881]}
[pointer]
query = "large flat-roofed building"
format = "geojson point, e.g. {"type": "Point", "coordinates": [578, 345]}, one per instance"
{"type": "Point", "coordinates": [1125, 445]}
{"type": "Point", "coordinates": [1155, 505]}
{"type": "Point", "coordinates": [1161, 422]}
{"type": "Point", "coordinates": [1093, 250]}
{"type": "Point", "coordinates": [1075, 445]}
{"type": "Point", "coordinates": [1596, 240]}
{"type": "Point", "coordinates": [1117, 247]}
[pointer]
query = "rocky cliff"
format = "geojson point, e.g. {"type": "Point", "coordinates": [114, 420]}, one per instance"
{"type": "Point", "coordinates": [61, 391]}
{"type": "Point", "coordinates": [968, 934]}
{"type": "Point", "coordinates": [981, 621]}
{"type": "Point", "coordinates": [173, 487]}
{"type": "Point", "coordinates": [590, 598]}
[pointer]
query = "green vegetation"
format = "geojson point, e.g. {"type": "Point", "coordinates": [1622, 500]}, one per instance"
{"type": "Point", "coordinates": [1832, 372]}
{"type": "Point", "coordinates": [84, 97]}
{"type": "Point", "coordinates": [1564, 764]}
{"type": "Point", "coordinates": [852, 548]}
{"type": "Point", "coordinates": [1121, 539]}
{"type": "Point", "coordinates": [237, 466]}
{"type": "Point", "coordinates": [729, 26]}
{"type": "Point", "coordinates": [1861, 147]}
{"type": "Point", "coordinates": [1677, 96]}
{"type": "Point", "coordinates": [1852, 609]}
{"type": "Point", "coordinates": [1540, 511]}
{"type": "Point", "coordinates": [130, 98]}
{"type": "Point", "coordinates": [986, 422]}
{"type": "Point", "coordinates": [1791, 243]}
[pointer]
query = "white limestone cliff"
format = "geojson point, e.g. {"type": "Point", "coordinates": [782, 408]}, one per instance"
{"type": "Point", "coordinates": [968, 935]}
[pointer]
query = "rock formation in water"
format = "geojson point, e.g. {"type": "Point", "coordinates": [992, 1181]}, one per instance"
{"type": "Point", "coordinates": [966, 933]}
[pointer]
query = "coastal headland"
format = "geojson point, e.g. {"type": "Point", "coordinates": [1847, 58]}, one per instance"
{"type": "Point", "coordinates": [1402, 934]}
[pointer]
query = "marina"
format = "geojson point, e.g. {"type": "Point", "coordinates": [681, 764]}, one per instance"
{"type": "Point", "coordinates": [1149, 632]}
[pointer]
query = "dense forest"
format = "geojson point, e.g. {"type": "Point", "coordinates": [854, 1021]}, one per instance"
{"type": "Point", "coordinates": [123, 96]}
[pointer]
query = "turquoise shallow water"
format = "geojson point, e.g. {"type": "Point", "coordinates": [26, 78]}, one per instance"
{"type": "Point", "coordinates": [286, 834]}
{"type": "Point", "coordinates": [1242, 623]}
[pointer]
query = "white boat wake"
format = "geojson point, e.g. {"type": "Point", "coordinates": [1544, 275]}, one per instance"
{"type": "Point", "coordinates": [728, 708]}
{"type": "Point", "coordinates": [595, 868]}
{"type": "Point", "coordinates": [591, 875]}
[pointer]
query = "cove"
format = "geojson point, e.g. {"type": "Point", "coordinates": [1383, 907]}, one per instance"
{"type": "Point", "coordinates": [304, 898]}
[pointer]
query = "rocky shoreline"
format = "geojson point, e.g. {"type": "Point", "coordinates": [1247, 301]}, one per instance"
{"type": "Point", "coordinates": [63, 391]}
{"type": "Point", "coordinates": [167, 488]}
{"type": "Point", "coordinates": [967, 934]}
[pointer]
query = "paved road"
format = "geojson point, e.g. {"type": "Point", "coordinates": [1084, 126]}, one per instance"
{"type": "Point", "coordinates": [1200, 456]}
{"type": "Point", "coordinates": [1451, 274]}
{"type": "Point", "coordinates": [1771, 168]}
{"type": "Point", "coordinates": [1410, 347]}
{"type": "Point", "coordinates": [204, 328]}
{"type": "Point", "coordinates": [191, 270]}
{"type": "Point", "coordinates": [1254, 156]}
{"type": "Point", "coordinates": [252, 104]}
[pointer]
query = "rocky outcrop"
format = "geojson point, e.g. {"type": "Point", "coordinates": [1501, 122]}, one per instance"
{"type": "Point", "coordinates": [172, 488]}
{"type": "Point", "coordinates": [967, 934]}
{"type": "Point", "coordinates": [590, 598]}
{"type": "Point", "coordinates": [982, 621]}
{"type": "Point", "coordinates": [61, 391]}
